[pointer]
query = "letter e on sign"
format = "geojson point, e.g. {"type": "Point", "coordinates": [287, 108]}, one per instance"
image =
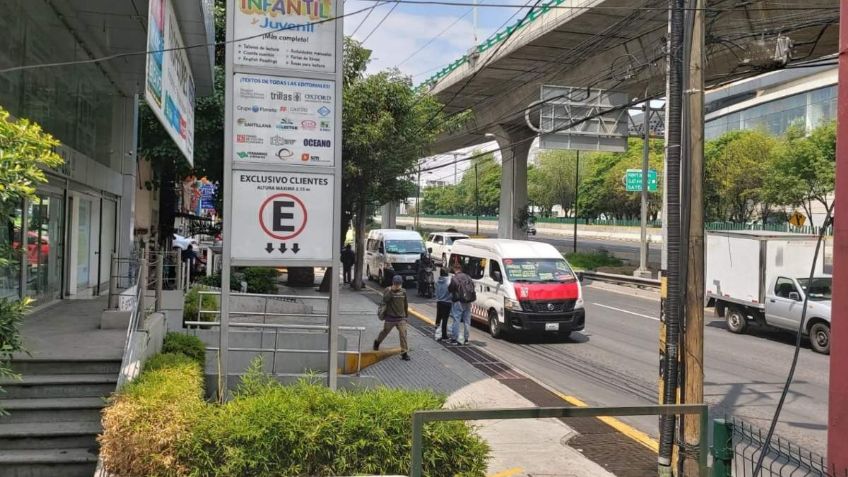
{"type": "Point", "coordinates": [282, 216]}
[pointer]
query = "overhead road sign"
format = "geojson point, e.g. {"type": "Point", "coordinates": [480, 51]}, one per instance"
{"type": "Point", "coordinates": [633, 180]}
{"type": "Point", "coordinates": [602, 117]}
{"type": "Point", "coordinates": [286, 34]}
{"type": "Point", "coordinates": [282, 216]}
{"type": "Point", "coordinates": [282, 120]}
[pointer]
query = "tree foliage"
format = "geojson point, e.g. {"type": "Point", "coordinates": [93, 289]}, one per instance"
{"type": "Point", "coordinates": [461, 199]}
{"type": "Point", "coordinates": [552, 182]}
{"type": "Point", "coordinates": [386, 126]}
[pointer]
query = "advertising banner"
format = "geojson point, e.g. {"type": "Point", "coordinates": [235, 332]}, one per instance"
{"type": "Point", "coordinates": [282, 216]}
{"type": "Point", "coordinates": [286, 34]}
{"type": "Point", "coordinates": [169, 85]}
{"type": "Point", "coordinates": [282, 120]}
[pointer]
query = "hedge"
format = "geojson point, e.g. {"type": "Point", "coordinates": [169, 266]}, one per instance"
{"type": "Point", "coordinates": [188, 345]}
{"type": "Point", "coordinates": [269, 429]}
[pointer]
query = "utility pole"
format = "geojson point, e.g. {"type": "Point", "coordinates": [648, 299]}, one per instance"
{"type": "Point", "coordinates": [476, 200]}
{"type": "Point", "coordinates": [837, 444]}
{"type": "Point", "coordinates": [693, 335]}
{"type": "Point", "coordinates": [672, 306]}
{"type": "Point", "coordinates": [576, 196]}
{"type": "Point", "coordinates": [646, 149]}
{"type": "Point", "coordinates": [418, 197]}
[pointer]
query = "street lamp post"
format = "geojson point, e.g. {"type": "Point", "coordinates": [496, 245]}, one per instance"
{"type": "Point", "coordinates": [476, 199]}
{"type": "Point", "coordinates": [576, 196]}
{"type": "Point", "coordinates": [418, 198]}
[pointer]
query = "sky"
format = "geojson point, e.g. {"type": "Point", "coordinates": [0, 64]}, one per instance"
{"type": "Point", "coordinates": [409, 27]}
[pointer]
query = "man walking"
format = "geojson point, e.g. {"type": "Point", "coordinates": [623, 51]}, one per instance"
{"type": "Point", "coordinates": [348, 259]}
{"type": "Point", "coordinates": [443, 305]}
{"type": "Point", "coordinates": [463, 294]}
{"type": "Point", "coordinates": [396, 309]}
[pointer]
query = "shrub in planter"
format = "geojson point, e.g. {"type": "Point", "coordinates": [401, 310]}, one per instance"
{"type": "Point", "coordinates": [147, 426]}
{"type": "Point", "coordinates": [261, 280]}
{"type": "Point", "coordinates": [187, 345]}
{"type": "Point", "coordinates": [11, 317]}
{"type": "Point", "coordinates": [191, 305]}
{"type": "Point", "coordinates": [330, 433]}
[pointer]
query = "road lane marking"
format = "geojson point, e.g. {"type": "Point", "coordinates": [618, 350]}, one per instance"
{"type": "Point", "coordinates": [618, 425]}
{"type": "Point", "coordinates": [626, 311]}
{"type": "Point", "coordinates": [625, 429]}
{"type": "Point", "coordinates": [508, 472]}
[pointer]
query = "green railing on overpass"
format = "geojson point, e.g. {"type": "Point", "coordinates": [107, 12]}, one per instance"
{"type": "Point", "coordinates": [784, 227]}
{"type": "Point", "coordinates": [420, 418]}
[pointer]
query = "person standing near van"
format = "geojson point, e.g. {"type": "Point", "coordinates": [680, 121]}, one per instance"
{"type": "Point", "coordinates": [396, 309]}
{"type": "Point", "coordinates": [463, 295]}
{"type": "Point", "coordinates": [444, 302]}
{"type": "Point", "coordinates": [348, 260]}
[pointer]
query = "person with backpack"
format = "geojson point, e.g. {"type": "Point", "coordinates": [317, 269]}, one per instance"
{"type": "Point", "coordinates": [444, 302]}
{"type": "Point", "coordinates": [463, 294]}
{"type": "Point", "coordinates": [393, 311]}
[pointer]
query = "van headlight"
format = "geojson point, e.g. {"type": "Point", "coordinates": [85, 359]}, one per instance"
{"type": "Point", "coordinates": [510, 304]}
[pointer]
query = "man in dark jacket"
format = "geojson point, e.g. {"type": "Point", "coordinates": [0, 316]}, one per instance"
{"type": "Point", "coordinates": [461, 312]}
{"type": "Point", "coordinates": [397, 307]}
{"type": "Point", "coordinates": [348, 259]}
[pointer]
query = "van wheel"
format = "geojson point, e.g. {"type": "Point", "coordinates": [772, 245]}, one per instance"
{"type": "Point", "coordinates": [820, 338]}
{"type": "Point", "coordinates": [737, 322]}
{"type": "Point", "coordinates": [495, 328]}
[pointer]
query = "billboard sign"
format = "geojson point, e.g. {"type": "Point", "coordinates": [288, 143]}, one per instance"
{"type": "Point", "coordinates": [286, 34]}
{"type": "Point", "coordinates": [169, 84]}
{"type": "Point", "coordinates": [281, 120]}
{"type": "Point", "coordinates": [282, 216]}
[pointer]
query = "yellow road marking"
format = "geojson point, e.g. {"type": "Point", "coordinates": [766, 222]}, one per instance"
{"type": "Point", "coordinates": [508, 472]}
{"type": "Point", "coordinates": [618, 425]}
{"type": "Point", "coordinates": [420, 316]}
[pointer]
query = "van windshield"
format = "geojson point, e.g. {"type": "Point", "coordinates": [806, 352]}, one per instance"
{"type": "Point", "coordinates": [820, 291]}
{"type": "Point", "coordinates": [537, 270]}
{"type": "Point", "coordinates": [404, 246]}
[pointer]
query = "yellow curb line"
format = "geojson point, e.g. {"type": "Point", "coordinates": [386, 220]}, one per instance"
{"type": "Point", "coordinates": [618, 425]}
{"type": "Point", "coordinates": [508, 472]}
{"type": "Point", "coordinates": [626, 429]}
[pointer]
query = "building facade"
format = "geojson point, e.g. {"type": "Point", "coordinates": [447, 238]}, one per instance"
{"type": "Point", "coordinates": [60, 244]}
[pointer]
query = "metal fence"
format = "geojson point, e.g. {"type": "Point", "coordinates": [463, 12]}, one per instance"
{"type": "Point", "coordinates": [420, 418]}
{"type": "Point", "coordinates": [739, 444]}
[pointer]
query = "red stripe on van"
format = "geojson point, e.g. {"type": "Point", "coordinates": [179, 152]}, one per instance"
{"type": "Point", "coordinates": [546, 291]}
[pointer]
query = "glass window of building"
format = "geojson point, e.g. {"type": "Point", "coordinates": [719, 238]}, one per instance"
{"type": "Point", "coordinates": [45, 245]}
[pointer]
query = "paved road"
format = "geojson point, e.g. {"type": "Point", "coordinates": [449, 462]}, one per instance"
{"type": "Point", "coordinates": [614, 362]}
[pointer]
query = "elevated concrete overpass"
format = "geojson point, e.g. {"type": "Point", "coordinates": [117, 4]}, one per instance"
{"type": "Point", "coordinates": [609, 44]}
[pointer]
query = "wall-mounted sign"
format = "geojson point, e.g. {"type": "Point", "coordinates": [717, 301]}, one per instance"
{"type": "Point", "coordinates": [169, 88]}
{"type": "Point", "coordinates": [288, 34]}
{"type": "Point", "coordinates": [282, 215]}
{"type": "Point", "coordinates": [281, 120]}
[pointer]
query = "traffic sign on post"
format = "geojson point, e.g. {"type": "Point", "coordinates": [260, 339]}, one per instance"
{"type": "Point", "coordinates": [282, 216]}
{"type": "Point", "coordinates": [633, 180]}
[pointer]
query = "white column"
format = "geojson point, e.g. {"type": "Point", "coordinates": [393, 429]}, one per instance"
{"type": "Point", "coordinates": [126, 215]}
{"type": "Point", "coordinates": [515, 147]}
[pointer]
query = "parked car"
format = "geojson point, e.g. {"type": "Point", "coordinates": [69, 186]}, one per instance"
{"type": "Point", "coordinates": [440, 243]}
{"type": "Point", "coordinates": [763, 277]}
{"type": "Point", "coordinates": [390, 252]}
{"type": "Point", "coordinates": [183, 242]}
{"type": "Point", "coordinates": [522, 286]}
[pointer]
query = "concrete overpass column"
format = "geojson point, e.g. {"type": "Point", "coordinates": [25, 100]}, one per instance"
{"type": "Point", "coordinates": [515, 146]}
{"type": "Point", "coordinates": [388, 215]}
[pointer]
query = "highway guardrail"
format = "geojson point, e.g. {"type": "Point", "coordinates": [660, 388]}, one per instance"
{"type": "Point", "coordinates": [619, 279]}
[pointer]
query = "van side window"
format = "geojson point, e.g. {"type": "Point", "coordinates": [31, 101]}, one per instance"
{"type": "Point", "coordinates": [369, 244]}
{"type": "Point", "coordinates": [494, 266]}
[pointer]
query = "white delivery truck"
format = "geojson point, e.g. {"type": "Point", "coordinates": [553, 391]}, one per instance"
{"type": "Point", "coordinates": [763, 277]}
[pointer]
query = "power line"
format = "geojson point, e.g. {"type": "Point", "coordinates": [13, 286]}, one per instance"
{"type": "Point", "coordinates": [366, 18]}
{"type": "Point", "coordinates": [603, 7]}
{"type": "Point", "coordinates": [165, 50]}
{"type": "Point", "coordinates": [380, 23]}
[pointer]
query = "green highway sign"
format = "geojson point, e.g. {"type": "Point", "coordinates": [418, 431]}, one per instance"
{"type": "Point", "coordinates": [633, 180]}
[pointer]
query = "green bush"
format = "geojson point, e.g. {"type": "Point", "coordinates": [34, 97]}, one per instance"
{"type": "Point", "coordinates": [273, 430]}
{"type": "Point", "coordinates": [261, 280]}
{"type": "Point", "coordinates": [146, 428]}
{"type": "Point", "coordinates": [187, 345]}
{"type": "Point", "coordinates": [192, 303]}
{"type": "Point", "coordinates": [11, 318]}
{"type": "Point", "coordinates": [593, 261]}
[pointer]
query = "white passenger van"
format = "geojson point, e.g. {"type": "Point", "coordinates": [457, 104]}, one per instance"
{"type": "Point", "coordinates": [521, 286]}
{"type": "Point", "coordinates": [390, 252]}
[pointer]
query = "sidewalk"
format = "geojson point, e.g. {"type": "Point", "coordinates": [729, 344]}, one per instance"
{"type": "Point", "coordinates": [519, 447]}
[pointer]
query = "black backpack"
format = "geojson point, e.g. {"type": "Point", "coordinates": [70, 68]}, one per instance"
{"type": "Point", "coordinates": [466, 291]}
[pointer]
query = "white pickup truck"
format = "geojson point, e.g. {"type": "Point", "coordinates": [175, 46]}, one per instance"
{"type": "Point", "coordinates": [439, 244]}
{"type": "Point", "coordinates": [763, 277]}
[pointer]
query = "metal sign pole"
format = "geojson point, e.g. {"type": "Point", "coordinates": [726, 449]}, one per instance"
{"type": "Point", "coordinates": [224, 328]}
